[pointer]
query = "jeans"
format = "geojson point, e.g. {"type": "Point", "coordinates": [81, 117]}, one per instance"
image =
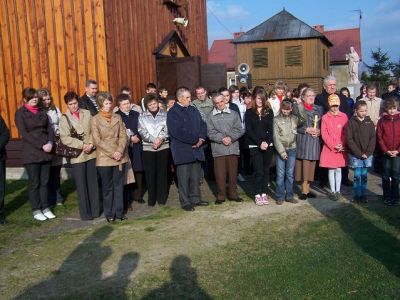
{"type": "Point", "coordinates": [285, 175]}
{"type": "Point", "coordinates": [390, 178]}
{"type": "Point", "coordinates": [360, 181]}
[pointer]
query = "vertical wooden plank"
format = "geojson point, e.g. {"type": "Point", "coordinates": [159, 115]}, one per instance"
{"type": "Point", "coordinates": [109, 12]}
{"type": "Point", "coordinates": [42, 44]}
{"type": "Point", "coordinates": [101, 58]}
{"type": "Point", "coordinates": [24, 45]}
{"type": "Point", "coordinates": [89, 40]}
{"type": "Point", "coordinates": [3, 85]}
{"type": "Point", "coordinates": [70, 45]}
{"type": "Point", "coordinates": [33, 43]}
{"type": "Point", "coordinates": [51, 52]}
{"type": "Point", "coordinates": [60, 46]}
{"type": "Point", "coordinates": [80, 45]}
{"type": "Point", "coordinates": [13, 75]}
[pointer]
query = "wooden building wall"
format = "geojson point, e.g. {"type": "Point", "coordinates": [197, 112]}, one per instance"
{"type": "Point", "coordinates": [134, 29]}
{"type": "Point", "coordinates": [56, 44]}
{"type": "Point", "coordinates": [312, 70]}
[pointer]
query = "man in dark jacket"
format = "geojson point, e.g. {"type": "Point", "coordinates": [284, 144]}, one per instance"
{"type": "Point", "coordinates": [187, 132]}
{"type": "Point", "coordinates": [4, 138]}
{"type": "Point", "coordinates": [329, 89]}
{"type": "Point", "coordinates": [322, 100]}
{"type": "Point", "coordinates": [88, 101]}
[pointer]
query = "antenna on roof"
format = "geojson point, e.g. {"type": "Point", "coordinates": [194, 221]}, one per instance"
{"type": "Point", "coordinates": [360, 16]}
{"type": "Point", "coordinates": [284, 8]}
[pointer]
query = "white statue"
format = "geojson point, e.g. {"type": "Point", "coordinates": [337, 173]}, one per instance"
{"type": "Point", "coordinates": [354, 60]}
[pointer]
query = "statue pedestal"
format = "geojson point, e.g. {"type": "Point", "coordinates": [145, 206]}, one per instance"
{"type": "Point", "coordinates": [354, 89]}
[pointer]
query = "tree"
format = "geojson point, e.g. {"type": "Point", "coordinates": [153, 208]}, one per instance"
{"type": "Point", "coordinates": [396, 69]}
{"type": "Point", "coordinates": [380, 70]}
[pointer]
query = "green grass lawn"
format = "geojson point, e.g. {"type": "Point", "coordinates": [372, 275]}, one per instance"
{"type": "Point", "coordinates": [352, 252]}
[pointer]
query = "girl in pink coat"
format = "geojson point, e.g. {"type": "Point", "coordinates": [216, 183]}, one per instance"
{"type": "Point", "coordinates": [333, 154]}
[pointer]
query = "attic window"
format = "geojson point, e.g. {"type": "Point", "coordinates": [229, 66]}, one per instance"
{"type": "Point", "coordinates": [260, 57]}
{"type": "Point", "coordinates": [293, 56]}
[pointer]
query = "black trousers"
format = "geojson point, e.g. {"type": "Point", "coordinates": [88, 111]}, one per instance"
{"type": "Point", "coordinates": [112, 186]}
{"type": "Point", "coordinates": [38, 179]}
{"type": "Point", "coordinates": [138, 186]}
{"type": "Point", "coordinates": [261, 161]}
{"type": "Point", "coordinates": [189, 176]}
{"type": "Point", "coordinates": [54, 184]}
{"type": "Point", "coordinates": [156, 172]}
{"type": "Point", "coordinates": [85, 174]}
{"type": "Point", "coordinates": [2, 184]}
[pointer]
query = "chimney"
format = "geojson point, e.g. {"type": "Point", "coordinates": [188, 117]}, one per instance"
{"type": "Point", "coordinates": [237, 35]}
{"type": "Point", "coordinates": [319, 28]}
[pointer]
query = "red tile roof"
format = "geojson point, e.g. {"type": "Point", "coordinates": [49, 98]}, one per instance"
{"type": "Point", "coordinates": [222, 52]}
{"type": "Point", "coordinates": [342, 40]}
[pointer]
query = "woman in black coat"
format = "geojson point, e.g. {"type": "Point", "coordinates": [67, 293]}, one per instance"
{"type": "Point", "coordinates": [37, 142]}
{"type": "Point", "coordinates": [259, 135]}
{"type": "Point", "coordinates": [4, 138]}
{"type": "Point", "coordinates": [131, 121]}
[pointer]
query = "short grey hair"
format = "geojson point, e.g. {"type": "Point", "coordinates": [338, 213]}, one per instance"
{"type": "Point", "coordinates": [329, 78]}
{"type": "Point", "coordinates": [181, 91]}
{"type": "Point", "coordinates": [215, 96]}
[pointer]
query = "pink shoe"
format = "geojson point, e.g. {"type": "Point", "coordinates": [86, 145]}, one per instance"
{"type": "Point", "coordinates": [264, 199]}
{"type": "Point", "coordinates": [258, 200]}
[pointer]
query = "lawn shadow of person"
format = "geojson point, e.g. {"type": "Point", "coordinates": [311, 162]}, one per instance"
{"type": "Point", "coordinates": [183, 284]}
{"type": "Point", "coordinates": [81, 276]}
{"type": "Point", "coordinates": [370, 238]}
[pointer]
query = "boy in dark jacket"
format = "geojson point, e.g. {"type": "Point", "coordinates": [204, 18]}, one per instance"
{"type": "Point", "coordinates": [388, 131]}
{"type": "Point", "coordinates": [360, 135]}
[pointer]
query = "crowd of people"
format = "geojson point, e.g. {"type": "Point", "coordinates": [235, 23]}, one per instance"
{"type": "Point", "coordinates": [123, 149]}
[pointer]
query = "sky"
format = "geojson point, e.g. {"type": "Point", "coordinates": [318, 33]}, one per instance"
{"type": "Point", "coordinates": [380, 23]}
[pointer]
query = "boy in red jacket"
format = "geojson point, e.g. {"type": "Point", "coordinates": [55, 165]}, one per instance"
{"type": "Point", "coordinates": [388, 131]}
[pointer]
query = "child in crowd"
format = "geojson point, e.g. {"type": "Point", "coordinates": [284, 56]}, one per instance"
{"type": "Point", "coordinates": [170, 101]}
{"type": "Point", "coordinates": [285, 131]}
{"type": "Point", "coordinates": [388, 132]}
{"type": "Point", "coordinates": [360, 138]}
{"type": "Point", "coordinates": [333, 151]}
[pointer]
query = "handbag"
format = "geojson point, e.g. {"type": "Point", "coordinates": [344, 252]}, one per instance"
{"type": "Point", "coordinates": [67, 151]}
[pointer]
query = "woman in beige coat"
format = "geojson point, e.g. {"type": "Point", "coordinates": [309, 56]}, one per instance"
{"type": "Point", "coordinates": [84, 166]}
{"type": "Point", "coordinates": [110, 139]}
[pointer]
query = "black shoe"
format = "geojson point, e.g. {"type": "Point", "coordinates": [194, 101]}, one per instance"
{"type": "Point", "coordinates": [110, 220]}
{"type": "Point", "coordinates": [363, 199]}
{"type": "Point", "coordinates": [356, 199]}
{"type": "Point", "coordinates": [387, 202]}
{"type": "Point", "coordinates": [303, 197]}
{"type": "Point", "coordinates": [141, 201]}
{"type": "Point", "coordinates": [218, 202]}
{"type": "Point", "coordinates": [188, 208]}
{"type": "Point", "coordinates": [347, 183]}
{"type": "Point", "coordinates": [201, 203]}
{"type": "Point", "coordinates": [237, 199]}
{"type": "Point", "coordinates": [311, 195]}
{"type": "Point", "coordinates": [123, 218]}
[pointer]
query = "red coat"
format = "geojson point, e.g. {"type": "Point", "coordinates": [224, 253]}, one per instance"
{"type": "Point", "coordinates": [333, 133]}
{"type": "Point", "coordinates": [388, 132]}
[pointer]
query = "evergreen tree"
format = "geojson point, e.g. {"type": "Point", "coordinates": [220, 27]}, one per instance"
{"type": "Point", "coordinates": [396, 69]}
{"type": "Point", "coordinates": [380, 70]}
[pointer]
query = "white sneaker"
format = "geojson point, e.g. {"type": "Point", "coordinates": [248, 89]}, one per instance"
{"type": "Point", "coordinates": [39, 216]}
{"type": "Point", "coordinates": [48, 214]}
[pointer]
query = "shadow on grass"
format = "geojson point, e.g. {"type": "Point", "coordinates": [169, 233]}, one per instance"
{"type": "Point", "coordinates": [183, 284]}
{"type": "Point", "coordinates": [80, 275]}
{"type": "Point", "coordinates": [20, 195]}
{"type": "Point", "coordinates": [372, 239]}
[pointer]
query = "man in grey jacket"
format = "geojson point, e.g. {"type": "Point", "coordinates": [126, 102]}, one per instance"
{"type": "Point", "coordinates": [224, 130]}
